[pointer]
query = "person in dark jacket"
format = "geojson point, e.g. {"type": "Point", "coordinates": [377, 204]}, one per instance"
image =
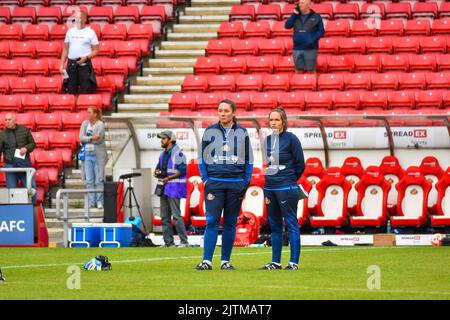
{"type": "Point", "coordinates": [226, 164]}
{"type": "Point", "coordinates": [16, 141]}
{"type": "Point", "coordinates": [308, 29]}
{"type": "Point", "coordinates": [285, 165]}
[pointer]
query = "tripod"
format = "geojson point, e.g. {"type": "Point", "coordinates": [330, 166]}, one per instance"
{"type": "Point", "coordinates": [131, 196]}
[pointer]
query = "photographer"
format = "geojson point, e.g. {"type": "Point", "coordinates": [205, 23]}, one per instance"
{"type": "Point", "coordinates": [171, 174]}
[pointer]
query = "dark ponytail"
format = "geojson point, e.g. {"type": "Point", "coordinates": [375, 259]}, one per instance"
{"type": "Point", "coordinates": [283, 116]}
{"type": "Point", "coordinates": [232, 104]}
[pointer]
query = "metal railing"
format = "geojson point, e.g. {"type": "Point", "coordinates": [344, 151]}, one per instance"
{"type": "Point", "coordinates": [30, 174]}
{"type": "Point", "coordinates": [65, 208]}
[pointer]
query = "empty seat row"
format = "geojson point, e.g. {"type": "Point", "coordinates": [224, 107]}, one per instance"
{"type": "Point", "coordinates": [323, 101]}
{"type": "Point", "coordinates": [360, 45]}
{"type": "Point", "coordinates": [343, 28]}
{"type": "Point", "coordinates": [53, 3]}
{"type": "Point", "coordinates": [58, 32]}
{"type": "Point", "coordinates": [39, 121]}
{"type": "Point", "coordinates": [404, 10]}
{"type": "Point", "coordinates": [325, 63]}
{"type": "Point", "coordinates": [312, 82]}
{"type": "Point", "coordinates": [48, 103]}
{"type": "Point", "coordinates": [103, 14]}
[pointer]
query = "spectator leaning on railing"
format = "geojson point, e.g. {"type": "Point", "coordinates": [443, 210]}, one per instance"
{"type": "Point", "coordinates": [308, 29]}
{"type": "Point", "coordinates": [16, 144]}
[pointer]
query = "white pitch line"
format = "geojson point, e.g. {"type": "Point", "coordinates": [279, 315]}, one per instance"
{"type": "Point", "coordinates": [189, 257]}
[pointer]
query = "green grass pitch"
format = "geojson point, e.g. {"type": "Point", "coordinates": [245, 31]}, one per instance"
{"type": "Point", "coordinates": [167, 273]}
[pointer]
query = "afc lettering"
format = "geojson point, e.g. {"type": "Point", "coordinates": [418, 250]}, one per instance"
{"type": "Point", "coordinates": [237, 309]}
{"type": "Point", "coordinates": [10, 226]}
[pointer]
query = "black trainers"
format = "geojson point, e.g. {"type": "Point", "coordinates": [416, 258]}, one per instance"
{"type": "Point", "coordinates": [203, 266]}
{"type": "Point", "coordinates": [2, 277]}
{"type": "Point", "coordinates": [227, 266]}
{"type": "Point", "coordinates": [291, 266]}
{"type": "Point", "coordinates": [271, 266]}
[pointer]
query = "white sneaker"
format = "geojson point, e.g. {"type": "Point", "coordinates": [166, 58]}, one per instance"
{"type": "Point", "coordinates": [183, 245]}
{"type": "Point", "coordinates": [99, 206]}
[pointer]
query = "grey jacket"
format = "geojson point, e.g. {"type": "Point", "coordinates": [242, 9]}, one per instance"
{"type": "Point", "coordinates": [99, 145]}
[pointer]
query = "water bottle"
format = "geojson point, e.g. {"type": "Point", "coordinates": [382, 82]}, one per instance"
{"type": "Point", "coordinates": [388, 229]}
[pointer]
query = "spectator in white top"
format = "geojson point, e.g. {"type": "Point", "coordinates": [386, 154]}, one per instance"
{"type": "Point", "coordinates": [80, 46]}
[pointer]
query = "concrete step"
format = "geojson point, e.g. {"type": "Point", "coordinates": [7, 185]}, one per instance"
{"type": "Point", "coordinates": [207, 3]}
{"type": "Point", "coordinates": [207, 11]}
{"type": "Point", "coordinates": [154, 89]}
{"type": "Point", "coordinates": [193, 28]}
{"type": "Point", "coordinates": [204, 36]}
{"type": "Point", "coordinates": [162, 63]}
{"type": "Point", "coordinates": [147, 98]}
{"type": "Point", "coordinates": [179, 53]}
{"type": "Point", "coordinates": [75, 184]}
{"type": "Point", "coordinates": [75, 203]}
{"type": "Point", "coordinates": [55, 235]}
{"type": "Point", "coordinates": [143, 107]}
{"type": "Point", "coordinates": [183, 45]}
{"type": "Point", "coordinates": [50, 213]}
{"type": "Point", "coordinates": [53, 223]}
{"type": "Point", "coordinates": [150, 80]}
{"type": "Point", "coordinates": [173, 71]}
{"type": "Point", "coordinates": [203, 19]}
{"type": "Point", "coordinates": [133, 115]}
{"type": "Point", "coordinates": [74, 174]}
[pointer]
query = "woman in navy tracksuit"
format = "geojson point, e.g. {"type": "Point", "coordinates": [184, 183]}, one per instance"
{"type": "Point", "coordinates": [284, 157]}
{"type": "Point", "coordinates": [226, 164]}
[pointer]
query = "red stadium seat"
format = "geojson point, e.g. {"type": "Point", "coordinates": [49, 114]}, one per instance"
{"type": "Point", "coordinates": [292, 100]}
{"type": "Point", "coordinates": [373, 192]}
{"type": "Point", "coordinates": [440, 26]}
{"type": "Point", "coordinates": [346, 100]}
{"type": "Point", "coordinates": [249, 82]}
{"type": "Point", "coordinates": [106, 48]}
{"type": "Point", "coordinates": [50, 161]}
{"type": "Point", "coordinates": [36, 32]}
{"type": "Point", "coordinates": [387, 81]}
{"type": "Point", "coordinates": [4, 85]}
{"type": "Point", "coordinates": [10, 103]}
{"type": "Point", "coordinates": [53, 66]}
{"type": "Point", "coordinates": [368, 63]}
{"type": "Point", "coordinates": [241, 99]}
{"type": "Point", "coordinates": [242, 12]}
{"type": "Point", "coordinates": [5, 15]}
{"type": "Point", "coordinates": [276, 82]}
{"type": "Point", "coordinates": [324, 9]}
{"type": "Point", "coordinates": [329, 81]}
{"type": "Point", "coordinates": [219, 47]}
{"type": "Point", "coordinates": [391, 28]}
{"type": "Point", "coordinates": [49, 84]}
{"type": "Point", "coordinates": [283, 64]}
{"type": "Point", "coordinates": [333, 190]}
{"type": "Point", "coordinates": [253, 201]}
{"type": "Point", "coordinates": [443, 202]}
{"type": "Point", "coordinates": [406, 44]}
{"type": "Point", "coordinates": [61, 102]}
{"type": "Point", "coordinates": [261, 64]}
{"type": "Point", "coordinates": [46, 49]}
{"type": "Point", "coordinates": [395, 62]}
{"type": "Point", "coordinates": [344, 63]}
{"type": "Point", "coordinates": [425, 10]}
{"type": "Point", "coordinates": [22, 85]}
{"type": "Point", "coordinates": [128, 48]}
{"type": "Point", "coordinates": [221, 83]}
{"type": "Point", "coordinates": [444, 10]}
{"type": "Point", "coordinates": [43, 185]}
{"type": "Point", "coordinates": [4, 49]}
{"type": "Point", "coordinates": [100, 15]}
{"type": "Point", "coordinates": [303, 82]}
{"type": "Point", "coordinates": [11, 67]}
{"type": "Point", "coordinates": [346, 11]}
{"type": "Point", "coordinates": [245, 47]}
{"type": "Point", "coordinates": [38, 102]}
{"type": "Point", "coordinates": [426, 62]}
{"type": "Point", "coordinates": [66, 143]}
{"type": "Point", "coordinates": [358, 81]}
{"type": "Point", "coordinates": [35, 67]}
{"type": "Point", "coordinates": [393, 172]}
{"type": "Point", "coordinates": [207, 65]}
{"type": "Point", "coordinates": [49, 15]}
{"type": "Point", "coordinates": [314, 171]}
{"type": "Point", "coordinates": [413, 80]}
{"type": "Point", "coordinates": [278, 30]}
{"type": "Point", "coordinates": [379, 45]}
{"type": "Point", "coordinates": [128, 14]}
{"type": "Point", "coordinates": [11, 32]}
{"type": "Point", "coordinates": [140, 31]}
{"type": "Point", "coordinates": [195, 83]}
{"type": "Point", "coordinates": [233, 64]}
{"type": "Point", "coordinates": [22, 49]}
{"type": "Point", "coordinates": [418, 27]}
{"type": "Point", "coordinates": [319, 101]}
{"type": "Point", "coordinates": [114, 32]}
{"type": "Point", "coordinates": [271, 46]}
{"type": "Point", "coordinates": [58, 32]}
{"type": "Point", "coordinates": [68, 14]}
{"type": "Point", "coordinates": [86, 100]}
{"type": "Point", "coordinates": [352, 45]}
{"type": "Point", "coordinates": [428, 99]}
{"type": "Point", "coordinates": [259, 29]}
{"type": "Point", "coordinates": [353, 171]}
{"type": "Point", "coordinates": [433, 44]}
{"type": "Point", "coordinates": [208, 100]}
{"type": "Point", "coordinates": [339, 28]}
{"type": "Point", "coordinates": [155, 16]}
{"type": "Point", "coordinates": [430, 168]}
{"type": "Point", "coordinates": [413, 190]}
{"type": "Point", "coordinates": [268, 12]}
{"type": "Point", "coordinates": [438, 80]}
{"type": "Point", "coordinates": [27, 120]}
{"type": "Point", "coordinates": [72, 121]}
{"type": "Point", "coordinates": [41, 139]}
{"type": "Point", "coordinates": [231, 30]}
{"type": "Point", "coordinates": [363, 28]}
{"type": "Point", "coordinates": [443, 62]}
{"type": "Point", "coordinates": [372, 11]}
{"type": "Point", "coordinates": [115, 66]}
{"type": "Point", "coordinates": [373, 100]}
{"type": "Point", "coordinates": [329, 45]}
{"type": "Point", "coordinates": [182, 101]}
{"type": "Point", "coordinates": [263, 100]}
{"type": "Point", "coordinates": [401, 100]}
{"type": "Point", "coordinates": [23, 15]}
{"type": "Point", "coordinates": [398, 11]}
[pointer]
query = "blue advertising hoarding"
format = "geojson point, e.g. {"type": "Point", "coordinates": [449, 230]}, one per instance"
{"type": "Point", "coordinates": [16, 225]}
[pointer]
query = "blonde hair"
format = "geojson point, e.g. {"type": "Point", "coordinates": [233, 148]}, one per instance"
{"type": "Point", "coordinates": [97, 111]}
{"type": "Point", "coordinates": [283, 116]}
